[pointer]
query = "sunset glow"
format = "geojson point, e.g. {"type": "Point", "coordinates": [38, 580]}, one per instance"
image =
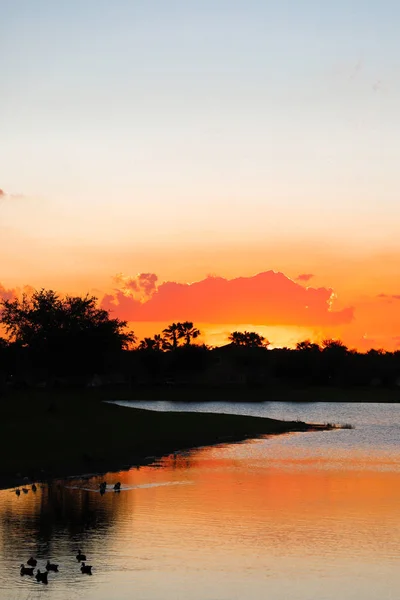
{"type": "Point", "coordinates": [216, 162]}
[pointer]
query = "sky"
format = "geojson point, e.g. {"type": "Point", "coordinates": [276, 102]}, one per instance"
{"type": "Point", "coordinates": [200, 142]}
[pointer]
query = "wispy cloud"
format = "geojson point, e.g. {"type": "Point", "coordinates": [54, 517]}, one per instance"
{"type": "Point", "coordinates": [357, 68]}
{"type": "Point", "coordinates": [304, 277]}
{"type": "Point", "coordinates": [7, 294]}
{"type": "Point", "coordinates": [389, 296]}
{"type": "Point", "coordinates": [377, 86]}
{"type": "Point", "coordinates": [4, 194]}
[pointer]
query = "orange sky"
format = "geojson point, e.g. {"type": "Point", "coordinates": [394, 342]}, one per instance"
{"type": "Point", "coordinates": [362, 308]}
{"type": "Point", "coordinates": [142, 149]}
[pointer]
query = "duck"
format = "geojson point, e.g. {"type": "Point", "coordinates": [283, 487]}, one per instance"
{"type": "Point", "coordinates": [80, 556]}
{"type": "Point", "coordinates": [51, 567]}
{"type": "Point", "coordinates": [34, 488]}
{"type": "Point", "coordinates": [26, 570]}
{"type": "Point", "coordinates": [117, 486]}
{"type": "Point", "coordinates": [41, 576]}
{"type": "Point", "coordinates": [32, 562]}
{"type": "Point", "coordinates": [86, 569]}
{"type": "Point", "coordinates": [18, 492]}
{"type": "Point", "coordinates": [25, 490]}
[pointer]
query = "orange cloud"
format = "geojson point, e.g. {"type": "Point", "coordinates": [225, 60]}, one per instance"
{"type": "Point", "coordinates": [304, 277]}
{"type": "Point", "coordinates": [7, 294]}
{"type": "Point", "coordinates": [141, 287]}
{"type": "Point", "coordinates": [267, 298]}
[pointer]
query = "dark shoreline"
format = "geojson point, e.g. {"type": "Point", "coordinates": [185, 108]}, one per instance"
{"type": "Point", "coordinates": [47, 435]}
{"type": "Point", "coordinates": [99, 468]}
{"type": "Point", "coordinates": [243, 394]}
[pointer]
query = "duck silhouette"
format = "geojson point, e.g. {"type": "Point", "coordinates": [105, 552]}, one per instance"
{"type": "Point", "coordinates": [51, 567]}
{"type": "Point", "coordinates": [18, 492]}
{"type": "Point", "coordinates": [80, 556]}
{"type": "Point", "coordinates": [32, 562]}
{"type": "Point", "coordinates": [117, 486]}
{"type": "Point", "coordinates": [34, 488]}
{"type": "Point", "coordinates": [86, 569]}
{"type": "Point", "coordinates": [41, 576]}
{"type": "Point", "coordinates": [26, 570]}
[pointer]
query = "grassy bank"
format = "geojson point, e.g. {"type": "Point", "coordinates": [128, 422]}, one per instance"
{"type": "Point", "coordinates": [45, 434]}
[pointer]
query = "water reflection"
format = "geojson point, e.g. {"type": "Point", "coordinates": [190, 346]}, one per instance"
{"type": "Point", "coordinates": [216, 523]}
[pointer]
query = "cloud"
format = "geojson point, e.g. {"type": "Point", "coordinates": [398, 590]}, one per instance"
{"type": "Point", "coordinates": [269, 298]}
{"type": "Point", "coordinates": [141, 287]}
{"type": "Point", "coordinates": [377, 86]}
{"type": "Point", "coordinates": [356, 69]}
{"type": "Point", "coordinates": [18, 292]}
{"type": "Point", "coordinates": [389, 296]}
{"type": "Point", "coordinates": [304, 277]}
{"type": "Point", "coordinates": [4, 194]}
{"type": "Point", "coordinates": [6, 294]}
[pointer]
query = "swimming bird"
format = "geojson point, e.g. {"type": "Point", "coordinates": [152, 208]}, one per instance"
{"type": "Point", "coordinates": [80, 556]}
{"type": "Point", "coordinates": [25, 490]}
{"type": "Point", "coordinates": [32, 562]}
{"type": "Point", "coordinates": [86, 569]}
{"type": "Point", "coordinates": [51, 567]}
{"type": "Point", "coordinates": [26, 570]}
{"type": "Point", "coordinates": [41, 576]}
{"type": "Point", "coordinates": [34, 488]}
{"type": "Point", "coordinates": [18, 492]}
{"type": "Point", "coordinates": [117, 486]}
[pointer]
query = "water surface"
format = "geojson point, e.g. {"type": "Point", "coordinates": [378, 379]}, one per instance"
{"type": "Point", "coordinates": [298, 516]}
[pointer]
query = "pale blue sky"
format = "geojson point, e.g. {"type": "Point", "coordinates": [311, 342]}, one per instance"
{"type": "Point", "coordinates": [201, 117]}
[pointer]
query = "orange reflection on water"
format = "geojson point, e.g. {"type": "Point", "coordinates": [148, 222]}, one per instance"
{"type": "Point", "coordinates": [350, 510]}
{"type": "Point", "coordinates": [217, 523]}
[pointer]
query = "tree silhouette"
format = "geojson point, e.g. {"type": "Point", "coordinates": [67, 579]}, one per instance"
{"type": "Point", "coordinates": [154, 343]}
{"type": "Point", "coordinates": [147, 344]}
{"type": "Point", "coordinates": [63, 333]}
{"type": "Point", "coordinates": [249, 339]}
{"type": "Point", "coordinates": [158, 342]}
{"type": "Point", "coordinates": [188, 332]}
{"type": "Point", "coordinates": [337, 346]}
{"type": "Point", "coordinates": [171, 336]}
{"type": "Point", "coordinates": [307, 346]}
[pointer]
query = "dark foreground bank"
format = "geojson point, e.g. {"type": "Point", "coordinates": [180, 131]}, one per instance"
{"type": "Point", "coordinates": [45, 435]}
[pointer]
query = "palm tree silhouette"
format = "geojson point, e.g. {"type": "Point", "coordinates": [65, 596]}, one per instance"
{"type": "Point", "coordinates": [147, 344]}
{"type": "Point", "coordinates": [188, 332]}
{"type": "Point", "coordinates": [158, 342]}
{"type": "Point", "coordinates": [171, 335]}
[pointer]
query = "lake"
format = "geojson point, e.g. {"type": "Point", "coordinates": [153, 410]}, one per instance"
{"type": "Point", "coordinates": [297, 516]}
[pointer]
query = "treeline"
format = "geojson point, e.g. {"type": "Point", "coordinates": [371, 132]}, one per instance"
{"type": "Point", "coordinates": [53, 341]}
